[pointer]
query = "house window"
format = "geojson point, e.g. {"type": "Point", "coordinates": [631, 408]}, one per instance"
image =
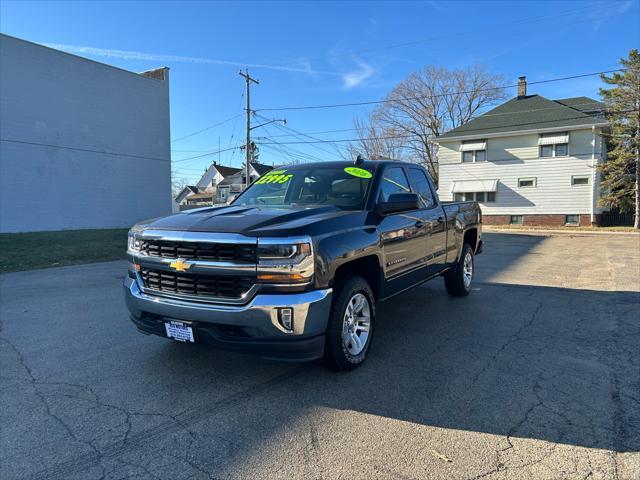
{"type": "Point", "coordinates": [516, 220]}
{"type": "Point", "coordinates": [482, 197]}
{"type": "Point", "coordinates": [559, 150]}
{"type": "Point", "coordinates": [580, 180]}
{"type": "Point", "coordinates": [562, 149]}
{"type": "Point", "coordinates": [474, 156]}
{"type": "Point", "coordinates": [572, 219]}
{"type": "Point", "coordinates": [554, 144]}
{"type": "Point", "coordinates": [474, 151]}
{"type": "Point", "coordinates": [546, 150]}
{"type": "Point", "coordinates": [527, 182]}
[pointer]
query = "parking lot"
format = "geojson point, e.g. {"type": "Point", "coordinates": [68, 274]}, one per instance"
{"type": "Point", "coordinates": [535, 375]}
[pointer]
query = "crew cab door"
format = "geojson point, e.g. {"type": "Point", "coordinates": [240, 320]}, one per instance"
{"type": "Point", "coordinates": [433, 216]}
{"type": "Point", "coordinates": [403, 236]}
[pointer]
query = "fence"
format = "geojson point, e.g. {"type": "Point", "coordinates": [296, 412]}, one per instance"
{"type": "Point", "coordinates": [614, 219]}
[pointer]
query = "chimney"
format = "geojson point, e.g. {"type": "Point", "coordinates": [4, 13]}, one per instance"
{"type": "Point", "coordinates": [522, 87]}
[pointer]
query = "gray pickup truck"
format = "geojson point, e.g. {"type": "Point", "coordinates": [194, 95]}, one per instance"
{"type": "Point", "coordinates": [294, 267]}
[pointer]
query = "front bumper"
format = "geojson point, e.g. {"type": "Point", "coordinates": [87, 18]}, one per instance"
{"type": "Point", "coordinates": [252, 328]}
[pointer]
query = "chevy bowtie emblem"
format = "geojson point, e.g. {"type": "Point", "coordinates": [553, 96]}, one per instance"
{"type": "Point", "coordinates": [180, 265]}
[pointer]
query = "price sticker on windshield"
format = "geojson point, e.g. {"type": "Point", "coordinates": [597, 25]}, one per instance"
{"type": "Point", "coordinates": [358, 172]}
{"type": "Point", "coordinates": [276, 176]}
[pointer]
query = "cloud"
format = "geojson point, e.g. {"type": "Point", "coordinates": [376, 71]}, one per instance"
{"type": "Point", "coordinates": [356, 77]}
{"type": "Point", "coordinates": [154, 57]}
{"type": "Point", "coordinates": [624, 6]}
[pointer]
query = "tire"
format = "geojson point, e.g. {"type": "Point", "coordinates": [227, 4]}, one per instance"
{"type": "Point", "coordinates": [341, 354]}
{"type": "Point", "coordinates": [458, 280]}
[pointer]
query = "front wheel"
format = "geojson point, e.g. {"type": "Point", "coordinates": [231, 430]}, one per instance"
{"type": "Point", "coordinates": [350, 326]}
{"type": "Point", "coordinates": [458, 279]}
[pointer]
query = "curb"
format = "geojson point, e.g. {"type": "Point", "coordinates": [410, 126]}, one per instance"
{"type": "Point", "coordinates": [575, 233]}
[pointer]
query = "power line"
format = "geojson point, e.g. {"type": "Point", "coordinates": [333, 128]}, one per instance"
{"type": "Point", "coordinates": [299, 153]}
{"type": "Point", "coordinates": [422, 97]}
{"type": "Point", "coordinates": [298, 133]}
{"type": "Point", "coordinates": [215, 152]}
{"type": "Point", "coordinates": [88, 150]}
{"type": "Point", "coordinates": [581, 117]}
{"type": "Point", "coordinates": [313, 133]}
{"type": "Point", "coordinates": [206, 128]}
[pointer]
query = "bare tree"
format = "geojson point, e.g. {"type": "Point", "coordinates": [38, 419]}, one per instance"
{"type": "Point", "coordinates": [432, 101]}
{"type": "Point", "coordinates": [375, 141]}
{"type": "Point", "coordinates": [177, 184]}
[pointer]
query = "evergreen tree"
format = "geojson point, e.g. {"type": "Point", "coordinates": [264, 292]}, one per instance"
{"type": "Point", "coordinates": [621, 171]}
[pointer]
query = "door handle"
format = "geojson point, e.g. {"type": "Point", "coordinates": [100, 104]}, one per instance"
{"type": "Point", "coordinates": [419, 224]}
{"type": "Point", "coordinates": [440, 220]}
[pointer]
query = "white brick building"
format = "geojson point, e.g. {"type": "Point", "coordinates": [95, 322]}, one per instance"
{"type": "Point", "coordinates": [82, 144]}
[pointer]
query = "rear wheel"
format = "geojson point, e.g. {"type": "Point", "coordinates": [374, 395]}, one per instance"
{"type": "Point", "coordinates": [350, 327]}
{"type": "Point", "coordinates": [458, 280]}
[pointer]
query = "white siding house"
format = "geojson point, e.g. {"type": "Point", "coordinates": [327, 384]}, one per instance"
{"type": "Point", "coordinates": [543, 175]}
{"type": "Point", "coordinates": [234, 184]}
{"type": "Point", "coordinates": [82, 144]}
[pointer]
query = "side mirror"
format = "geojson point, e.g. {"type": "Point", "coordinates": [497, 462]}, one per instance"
{"type": "Point", "coordinates": [400, 202]}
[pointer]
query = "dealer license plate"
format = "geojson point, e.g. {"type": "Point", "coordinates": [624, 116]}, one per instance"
{"type": "Point", "coordinates": [179, 331]}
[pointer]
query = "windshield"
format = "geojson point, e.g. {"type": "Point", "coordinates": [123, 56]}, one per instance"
{"type": "Point", "coordinates": [343, 187]}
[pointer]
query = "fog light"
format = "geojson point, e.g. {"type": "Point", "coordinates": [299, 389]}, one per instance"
{"type": "Point", "coordinates": [285, 317]}
{"type": "Point", "coordinates": [133, 268]}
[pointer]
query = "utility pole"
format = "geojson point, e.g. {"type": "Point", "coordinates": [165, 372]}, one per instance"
{"type": "Point", "coordinates": [248, 79]}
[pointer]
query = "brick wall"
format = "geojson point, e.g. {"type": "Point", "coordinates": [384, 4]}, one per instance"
{"type": "Point", "coordinates": [536, 220]}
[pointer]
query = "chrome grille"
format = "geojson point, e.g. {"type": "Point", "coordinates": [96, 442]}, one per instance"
{"type": "Point", "coordinates": [224, 286]}
{"type": "Point", "coordinates": [221, 252]}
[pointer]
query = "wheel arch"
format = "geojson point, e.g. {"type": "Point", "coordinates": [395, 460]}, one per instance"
{"type": "Point", "coordinates": [471, 237]}
{"type": "Point", "coordinates": [367, 267]}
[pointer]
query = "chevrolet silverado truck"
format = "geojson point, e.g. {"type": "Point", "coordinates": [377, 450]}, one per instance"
{"type": "Point", "coordinates": [294, 267]}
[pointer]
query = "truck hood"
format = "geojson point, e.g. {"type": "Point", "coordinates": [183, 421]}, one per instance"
{"type": "Point", "coordinates": [260, 220]}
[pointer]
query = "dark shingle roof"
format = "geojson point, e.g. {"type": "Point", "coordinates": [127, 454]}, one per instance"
{"type": "Point", "coordinates": [232, 179]}
{"type": "Point", "coordinates": [584, 104]}
{"type": "Point", "coordinates": [261, 168]}
{"type": "Point", "coordinates": [530, 113]}
{"type": "Point", "coordinates": [226, 171]}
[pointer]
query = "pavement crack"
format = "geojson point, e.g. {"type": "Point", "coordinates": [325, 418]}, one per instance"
{"type": "Point", "coordinates": [512, 339]}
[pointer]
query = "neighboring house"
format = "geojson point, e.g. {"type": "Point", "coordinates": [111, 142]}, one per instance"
{"type": "Point", "coordinates": [206, 190]}
{"type": "Point", "coordinates": [530, 161]}
{"type": "Point", "coordinates": [199, 200]}
{"type": "Point", "coordinates": [213, 176]}
{"type": "Point", "coordinates": [81, 134]}
{"type": "Point", "coordinates": [231, 186]}
{"type": "Point", "coordinates": [181, 198]}
{"type": "Point", "coordinates": [185, 192]}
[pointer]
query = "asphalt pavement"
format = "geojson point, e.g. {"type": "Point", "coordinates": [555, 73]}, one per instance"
{"type": "Point", "coordinates": [536, 374]}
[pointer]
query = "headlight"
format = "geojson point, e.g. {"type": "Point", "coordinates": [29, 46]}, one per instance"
{"type": "Point", "coordinates": [285, 260]}
{"type": "Point", "coordinates": [133, 243]}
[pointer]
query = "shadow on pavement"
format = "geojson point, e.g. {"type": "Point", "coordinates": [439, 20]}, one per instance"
{"type": "Point", "coordinates": [554, 364]}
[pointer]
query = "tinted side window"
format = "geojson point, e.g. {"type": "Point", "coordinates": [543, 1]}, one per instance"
{"type": "Point", "coordinates": [393, 181]}
{"type": "Point", "coordinates": [421, 186]}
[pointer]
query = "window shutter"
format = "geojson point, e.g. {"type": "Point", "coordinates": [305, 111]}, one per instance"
{"type": "Point", "coordinates": [473, 145]}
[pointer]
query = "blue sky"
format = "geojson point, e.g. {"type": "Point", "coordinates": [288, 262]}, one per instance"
{"type": "Point", "coordinates": [308, 53]}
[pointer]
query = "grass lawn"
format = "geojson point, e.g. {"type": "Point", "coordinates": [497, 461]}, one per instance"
{"type": "Point", "coordinates": [26, 251]}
